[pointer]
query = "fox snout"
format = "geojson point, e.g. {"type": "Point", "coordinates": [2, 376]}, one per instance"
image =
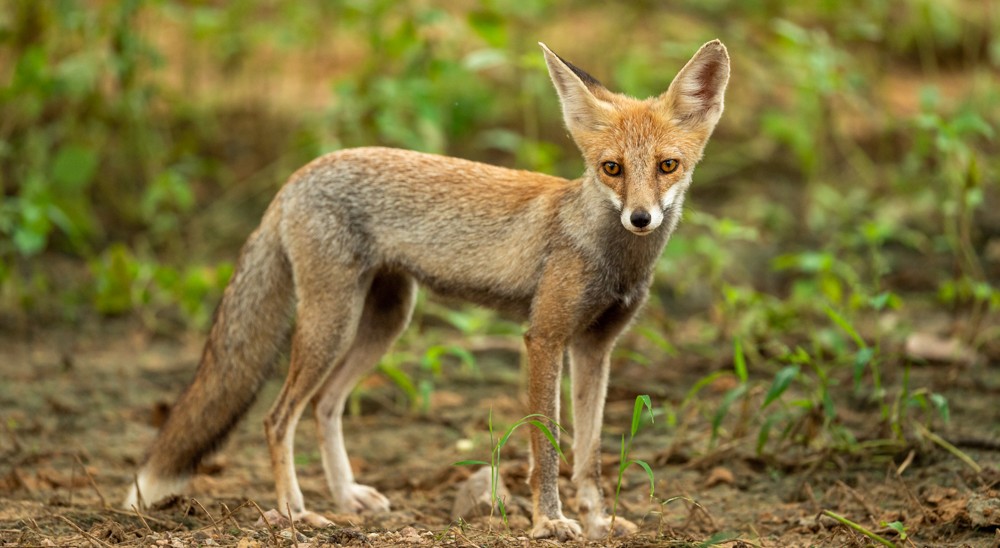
{"type": "Point", "coordinates": [641, 221]}
{"type": "Point", "coordinates": [640, 218]}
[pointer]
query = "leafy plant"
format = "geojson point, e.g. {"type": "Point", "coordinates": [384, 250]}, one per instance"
{"type": "Point", "coordinates": [497, 444]}
{"type": "Point", "coordinates": [625, 460]}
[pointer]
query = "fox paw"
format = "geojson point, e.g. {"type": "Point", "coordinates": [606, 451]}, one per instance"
{"type": "Point", "coordinates": [277, 519]}
{"type": "Point", "coordinates": [558, 528]}
{"type": "Point", "coordinates": [359, 498]}
{"type": "Point", "coordinates": [600, 528]}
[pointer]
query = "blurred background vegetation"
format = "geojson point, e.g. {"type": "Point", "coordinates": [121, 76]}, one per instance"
{"type": "Point", "coordinates": [848, 200]}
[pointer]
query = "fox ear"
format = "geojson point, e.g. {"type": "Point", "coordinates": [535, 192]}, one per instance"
{"type": "Point", "coordinates": [581, 94]}
{"type": "Point", "coordinates": [696, 94]}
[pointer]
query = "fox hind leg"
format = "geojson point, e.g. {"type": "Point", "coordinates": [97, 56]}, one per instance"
{"type": "Point", "coordinates": [387, 310]}
{"type": "Point", "coordinates": [330, 302]}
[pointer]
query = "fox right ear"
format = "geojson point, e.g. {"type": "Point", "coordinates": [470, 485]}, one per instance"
{"type": "Point", "coordinates": [697, 93]}
{"type": "Point", "coordinates": [580, 95]}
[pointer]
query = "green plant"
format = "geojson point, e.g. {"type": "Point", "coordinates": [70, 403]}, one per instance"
{"type": "Point", "coordinates": [625, 460]}
{"type": "Point", "coordinates": [497, 444]}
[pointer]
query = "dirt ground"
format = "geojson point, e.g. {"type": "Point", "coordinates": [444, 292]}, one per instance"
{"type": "Point", "coordinates": [79, 408]}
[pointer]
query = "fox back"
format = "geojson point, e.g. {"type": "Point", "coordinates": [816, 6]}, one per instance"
{"type": "Point", "coordinates": [482, 233]}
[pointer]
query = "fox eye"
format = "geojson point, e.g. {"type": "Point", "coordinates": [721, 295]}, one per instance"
{"type": "Point", "coordinates": [669, 166]}
{"type": "Point", "coordinates": [613, 169]}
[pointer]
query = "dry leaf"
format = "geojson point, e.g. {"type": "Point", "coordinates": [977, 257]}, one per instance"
{"type": "Point", "coordinates": [720, 474]}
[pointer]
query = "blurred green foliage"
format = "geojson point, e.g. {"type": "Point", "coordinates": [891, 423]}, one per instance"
{"type": "Point", "coordinates": [849, 192]}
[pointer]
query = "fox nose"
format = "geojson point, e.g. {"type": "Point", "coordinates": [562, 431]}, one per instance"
{"type": "Point", "coordinates": [640, 218]}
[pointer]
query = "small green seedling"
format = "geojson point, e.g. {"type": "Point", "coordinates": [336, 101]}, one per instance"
{"type": "Point", "coordinates": [625, 460]}
{"type": "Point", "coordinates": [535, 420]}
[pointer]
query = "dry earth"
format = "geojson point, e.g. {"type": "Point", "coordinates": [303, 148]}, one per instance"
{"type": "Point", "coordinates": [78, 408]}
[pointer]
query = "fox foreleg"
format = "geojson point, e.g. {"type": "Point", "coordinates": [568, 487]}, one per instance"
{"type": "Point", "coordinates": [590, 365]}
{"type": "Point", "coordinates": [553, 320]}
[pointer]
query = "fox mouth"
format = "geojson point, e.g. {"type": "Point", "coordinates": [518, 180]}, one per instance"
{"type": "Point", "coordinates": [645, 231]}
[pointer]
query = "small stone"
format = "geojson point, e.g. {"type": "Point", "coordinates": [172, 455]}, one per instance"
{"type": "Point", "coordinates": [248, 543]}
{"type": "Point", "coordinates": [983, 511]}
{"type": "Point", "coordinates": [410, 535]}
{"type": "Point", "coordinates": [475, 495]}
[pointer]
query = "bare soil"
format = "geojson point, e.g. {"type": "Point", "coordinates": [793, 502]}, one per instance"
{"type": "Point", "coordinates": [79, 408]}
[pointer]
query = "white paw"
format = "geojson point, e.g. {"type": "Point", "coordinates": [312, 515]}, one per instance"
{"type": "Point", "coordinates": [599, 528]}
{"type": "Point", "coordinates": [280, 519]}
{"type": "Point", "coordinates": [359, 498]}
{"type": "Point", "coordinates": [559, 528]}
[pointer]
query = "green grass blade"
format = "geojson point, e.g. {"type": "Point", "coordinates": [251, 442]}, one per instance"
{"type": "Point", "coordinates": [548, 434]}
{"type": "Point", "coordinates": [860, 528]}
{"type": "Point", "coordinates": [723, 410]}
{"type": "Point", "coordinates": [470, 463]}
{"type": "Point", "coordinates": [947, 446]}
{"type": "Point", "coordinates": [718, 538]}
{"type": "Point", "coordinates": [782, 379]}
{"type": "Point", "coordinates": [765, 433]}
{"type": "Point", "coordinates": [401, 380]}
{"type": "Point", "coordinates": [640, 402]}
{"type": "Point", "coordinates": [702, 383]}
{"type": "Point", "coordinates": [739, 360]}
{"type": "Point", "coordinates": [622, 459]}
{"type": "Point", "coordinates": [846, 326]}
{"type": "Point", "coordinates": [649, 474]}
{"type": "Point", "coordinates": [940, 403]}
{"type": "Point", "coordinates": [861, 361]}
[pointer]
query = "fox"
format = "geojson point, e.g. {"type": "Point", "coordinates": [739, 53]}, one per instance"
{"type": "Point", "coordinates": [334, 265]}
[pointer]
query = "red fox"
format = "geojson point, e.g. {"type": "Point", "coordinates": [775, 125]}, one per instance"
{"type": "Point", "coordinates": [345, 242]}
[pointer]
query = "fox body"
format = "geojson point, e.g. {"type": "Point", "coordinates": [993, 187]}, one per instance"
{"type": "Point", "coordinates": [343, 245]}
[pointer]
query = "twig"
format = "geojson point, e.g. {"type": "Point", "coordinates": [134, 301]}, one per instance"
{"type": "Point", "coordinates": [72, 483]}
{"type": "Point", "coordinates": [291, 524]}
{"type": "Point", "coordinates": [906, 463]}
{"type": "Point", "coordinates": [163, 522]}
{"type": "Point", "coordinates": [229, 515]}
{"type": "Point", "coordinates": [138, 492]}
{"type": "Point", "coordinates": [93, 540]}
{"type": "Point", "coordinates": [142, 519]}
{"type": "Point", "coordinates": [694, 509]}
{"type": "Point", "coordinates": [948, 447]}
{"type": "Point", "coordinates": [274, 537]}
{"type": "Point", "coordinates": [458, 533]}
{"type": "Point", "coordinates": [859, 528]}
{"type": "Point", "coordinates": [100, 495]}
{"type": "Point", "coordinates": [215, 524]}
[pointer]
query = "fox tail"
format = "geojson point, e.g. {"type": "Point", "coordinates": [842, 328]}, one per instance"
{"type": "Point", "coordinates": [250, 329]}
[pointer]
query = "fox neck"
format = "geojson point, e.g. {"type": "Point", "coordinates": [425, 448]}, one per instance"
{"type": "Point", "coordinates": [625, 261]}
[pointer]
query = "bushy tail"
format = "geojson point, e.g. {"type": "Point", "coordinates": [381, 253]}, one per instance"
{"type": "Point", "coordinates": [250, 329]}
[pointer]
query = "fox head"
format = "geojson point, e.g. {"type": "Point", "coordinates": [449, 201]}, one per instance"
{"type": "Point", "coordinates": [641, 153]}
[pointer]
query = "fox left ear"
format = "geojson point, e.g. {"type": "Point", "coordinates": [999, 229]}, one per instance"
{"type": "Point", "coordinates": [696, 94]}
{"type": "Point", "coordinates": [583, 98]}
